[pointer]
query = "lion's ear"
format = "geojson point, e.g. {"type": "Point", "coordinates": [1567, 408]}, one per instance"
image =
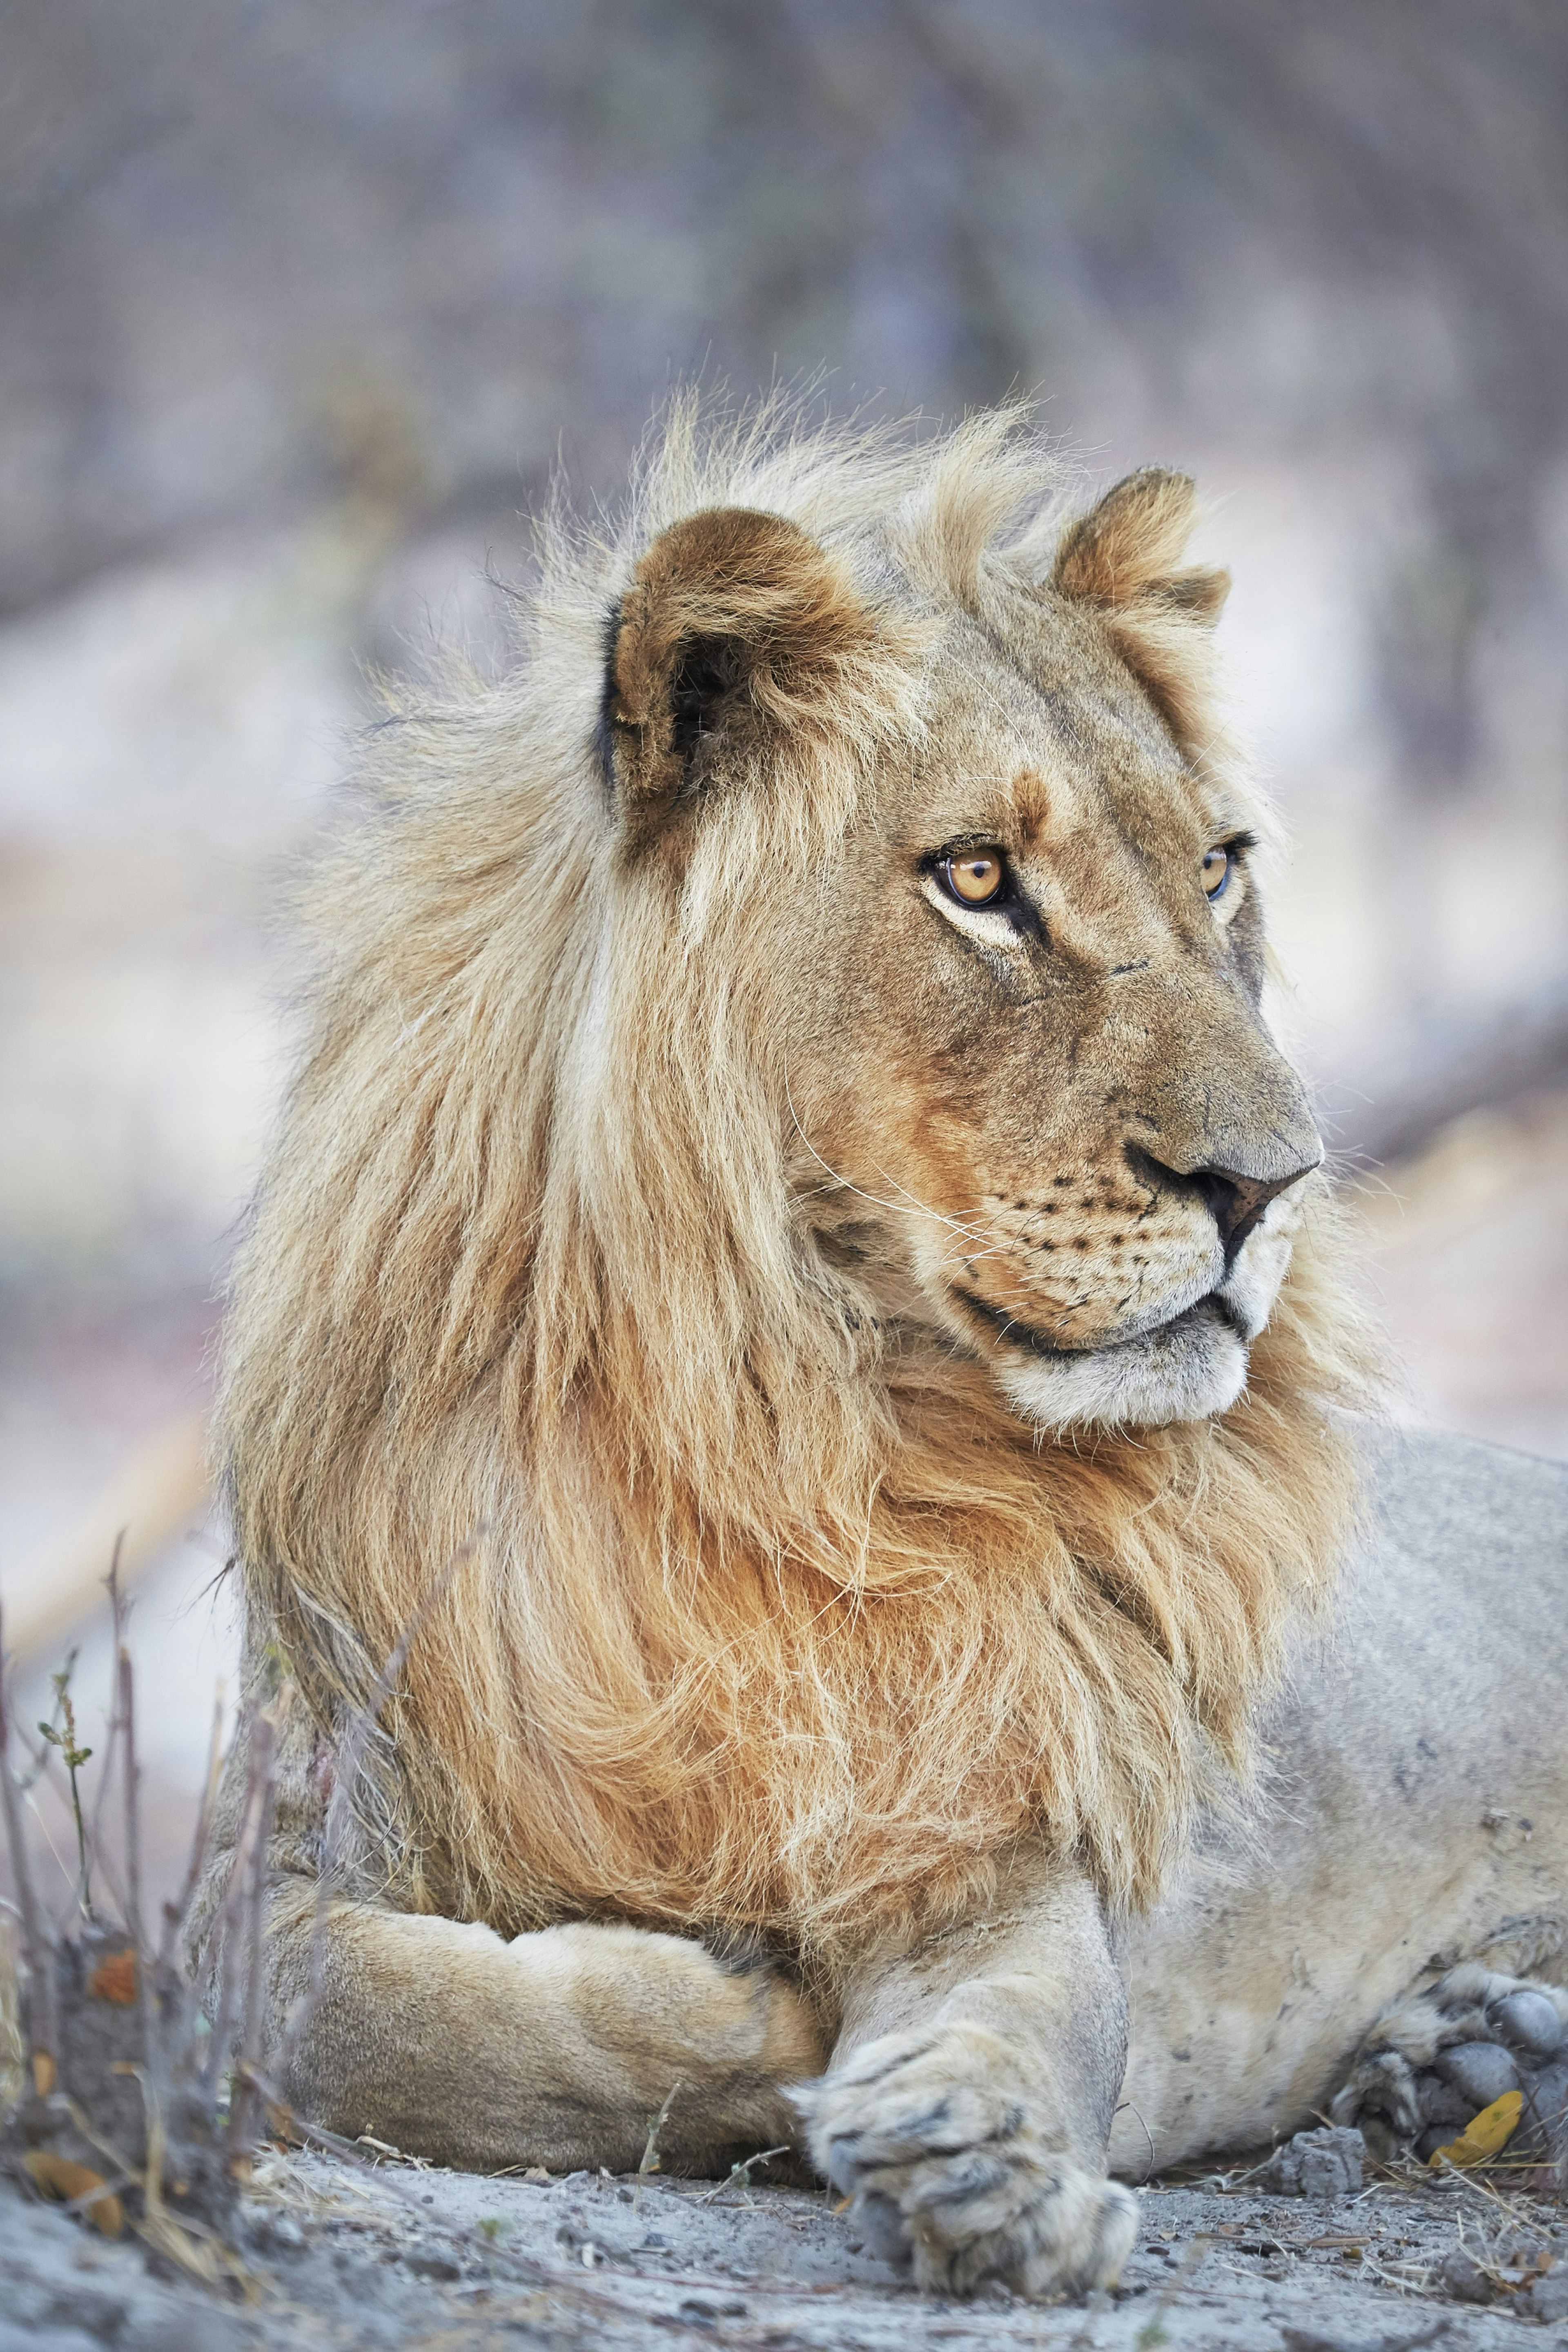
{"type": "Point", "coordinates": [1124, 559]}
{"type": "Point", "coordinates": [736, 624]}
{"type": "Point", "coordinates": [1128, 552]}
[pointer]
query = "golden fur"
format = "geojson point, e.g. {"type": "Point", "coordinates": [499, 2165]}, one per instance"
{"type": "Point", "coordinates": [778, 1620]}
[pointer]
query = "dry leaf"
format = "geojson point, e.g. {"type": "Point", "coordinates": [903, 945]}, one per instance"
{"type": "Point", "coordinates": [1484, 2136]}
{"type": "Point", "coordinates": [115, 1978]}
{"type": "Point", "coordinates": [59, 2177]}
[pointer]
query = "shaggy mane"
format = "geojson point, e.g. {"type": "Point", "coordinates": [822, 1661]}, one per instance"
{"type": "Point", "coordinates": [727, 1613]}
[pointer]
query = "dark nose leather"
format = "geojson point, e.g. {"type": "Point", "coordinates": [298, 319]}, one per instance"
{"type": "Point", "coordinates": [1236, 1202]}
{"type": "Point", "coordinates": [1224, 1119]}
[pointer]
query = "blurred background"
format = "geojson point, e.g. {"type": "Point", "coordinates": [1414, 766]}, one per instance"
{"type": "Point", "coordinates": [302, 303]}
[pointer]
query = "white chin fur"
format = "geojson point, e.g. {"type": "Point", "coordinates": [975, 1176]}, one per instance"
{"type": "Point", "coordinates": [1263, 1260]}
{"type": "Point", "coordinates": [1184, 1371]}
{"type": "Point", "coordinates": [1187, 1371]}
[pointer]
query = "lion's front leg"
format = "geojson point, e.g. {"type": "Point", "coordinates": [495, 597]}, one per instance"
{"type": "Point", "coordinates": [555, 2048]}
{"type": "Point", "coordinates": [969, 2100]}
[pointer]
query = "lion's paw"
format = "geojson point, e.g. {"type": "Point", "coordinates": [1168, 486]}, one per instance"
{"type": "Point", "coordinates": [953, 2174]}
{"type": "Point", "coordinates": [1434, 2060]}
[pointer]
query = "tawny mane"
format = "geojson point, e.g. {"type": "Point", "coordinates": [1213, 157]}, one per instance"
{"type": "Point", "coordinates": [721, 1617]}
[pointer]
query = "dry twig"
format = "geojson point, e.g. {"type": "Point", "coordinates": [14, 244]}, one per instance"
{"type": "Point", "coordinates": [345, 1780]}
{"type": "Point", "coordinates": [38, 1950]}
{"type": "Point", "coordinates": [174, 1913]}
{"type": "Point", "coordinates": [252, 1924]}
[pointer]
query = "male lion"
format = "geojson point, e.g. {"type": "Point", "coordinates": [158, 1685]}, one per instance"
{"type": "Point", "coordinates": [790, 1323]}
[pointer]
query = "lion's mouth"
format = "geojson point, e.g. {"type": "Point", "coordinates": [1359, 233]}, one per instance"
{"type": "Point", "coordinates": [1025, 1335]}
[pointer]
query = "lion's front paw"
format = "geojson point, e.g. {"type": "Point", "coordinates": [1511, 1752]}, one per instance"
{"type": "Point", "coordinates": [955, 2173]}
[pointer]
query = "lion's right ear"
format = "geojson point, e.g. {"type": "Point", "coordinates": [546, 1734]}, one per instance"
{"type": "Point", "coordinates": [1127, 551]}
{"type": "Point", "coordinates": [1125, 559]}
{"type": "Point", "coordinates": [737, 626]}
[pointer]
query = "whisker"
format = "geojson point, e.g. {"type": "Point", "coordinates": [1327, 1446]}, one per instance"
{"type": "Point", "coordinates": [859, 1193]}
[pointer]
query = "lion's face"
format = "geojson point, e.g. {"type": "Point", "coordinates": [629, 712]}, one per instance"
{"type": "Point", "coordinates": [1028, 1036]}
{"type": "Point", "coordinates": [1033, 1105]}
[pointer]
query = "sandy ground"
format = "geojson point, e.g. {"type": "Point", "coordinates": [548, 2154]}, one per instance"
{"type": "Point", "coordinates": [418, 2259]}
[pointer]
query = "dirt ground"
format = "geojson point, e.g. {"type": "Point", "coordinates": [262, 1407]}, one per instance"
{"type": "Point", "coordinates": [398, 2256]}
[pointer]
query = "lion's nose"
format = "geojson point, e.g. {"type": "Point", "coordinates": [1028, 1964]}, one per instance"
{"type": "Point", "coordinates": [1236, 1202]}
{"type": "Point", "coordinates": [1230, 1127]}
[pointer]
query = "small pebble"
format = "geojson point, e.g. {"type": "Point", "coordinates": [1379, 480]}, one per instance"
{"type": "Point", "coordinates": [1325, 2163]}
{"type": "Point", "coordinates": [1463, 2280]}
{"type": "Point", "coordinates": [1548, 2298]}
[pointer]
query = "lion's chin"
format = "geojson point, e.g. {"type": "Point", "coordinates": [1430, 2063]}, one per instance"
{"type": "Point", "coordinates": [1187, 1370]}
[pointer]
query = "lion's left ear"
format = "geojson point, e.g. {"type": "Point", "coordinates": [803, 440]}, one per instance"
{"type": "Point", "coordinates": [737, 626]}
{"type": "Point", "coordinates": [1124, 559]}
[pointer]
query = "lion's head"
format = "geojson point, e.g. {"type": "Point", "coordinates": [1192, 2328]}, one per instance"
{"type": "Point", "coordinates": [792, 1193]}
{"type": "Point", "coordinates": [1009, 993]}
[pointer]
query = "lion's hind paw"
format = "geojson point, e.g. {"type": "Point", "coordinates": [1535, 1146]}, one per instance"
{"type": "Point", "coordinates": [955, 2177]}
{"type": "Point", "coordinates": [1435, 2060]}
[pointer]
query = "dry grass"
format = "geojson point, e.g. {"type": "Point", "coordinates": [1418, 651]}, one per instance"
{"type": "Point", "coordinates": [119, 2100]}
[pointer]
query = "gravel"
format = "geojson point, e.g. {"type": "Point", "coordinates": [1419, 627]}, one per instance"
{"type": "Point", "coordinates": [417, 2259]}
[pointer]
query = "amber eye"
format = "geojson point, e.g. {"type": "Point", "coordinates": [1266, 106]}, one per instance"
{"type": "Point", "coordinates": [1215, 866]}
{"type": "Point", "coordinates": [975, 878]}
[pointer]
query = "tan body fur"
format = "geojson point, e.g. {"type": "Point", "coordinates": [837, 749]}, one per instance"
{"type": "Point", "coordinates": [838, 1388]}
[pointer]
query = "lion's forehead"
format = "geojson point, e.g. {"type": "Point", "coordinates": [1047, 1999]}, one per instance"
{"type": "Point", "coordinates": [1056, 755]}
